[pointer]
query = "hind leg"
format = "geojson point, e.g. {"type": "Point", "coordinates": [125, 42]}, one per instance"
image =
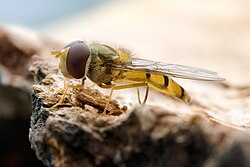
{"type": "Point", "coordinates": [145, 97]}
{"type": "Point", "coordinates": [114, 87]}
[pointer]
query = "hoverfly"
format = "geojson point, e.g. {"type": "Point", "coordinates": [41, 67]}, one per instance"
{"type": "Point", "coordinates": [105, 65]}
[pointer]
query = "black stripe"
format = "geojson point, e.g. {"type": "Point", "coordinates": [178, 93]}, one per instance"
{"type": "Point", "coordinates": [148, 75]}
{"type": "Point", "coordinates": [166, 81]}
{"type": "Point", "coordinates": [182, 93]}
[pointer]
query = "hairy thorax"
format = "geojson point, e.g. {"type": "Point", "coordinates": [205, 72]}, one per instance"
{"type": "Point", "coordinates": [102, 72]}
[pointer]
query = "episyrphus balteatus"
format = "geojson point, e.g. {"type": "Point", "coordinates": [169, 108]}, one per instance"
{"type": "Point", "coordinates": [105, 66]}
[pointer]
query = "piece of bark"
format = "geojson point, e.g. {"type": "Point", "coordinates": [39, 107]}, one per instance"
{"type": "Point", "coordinates": [77, 133]}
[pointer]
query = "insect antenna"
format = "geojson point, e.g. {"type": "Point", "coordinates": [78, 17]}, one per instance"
{"type": "Point", "coordinates": [56, 53]}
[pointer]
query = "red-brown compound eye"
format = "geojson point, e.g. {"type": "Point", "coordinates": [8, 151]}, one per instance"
{"type": "Point", "coordinates": [77, 57]}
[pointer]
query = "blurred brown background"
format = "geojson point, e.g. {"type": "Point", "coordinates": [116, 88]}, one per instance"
{"type": "Point", "coordinates": [209, 34]}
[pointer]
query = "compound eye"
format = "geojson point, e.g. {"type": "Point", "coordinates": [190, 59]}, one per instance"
{"type": "Point", "coordinates": [77, 58]}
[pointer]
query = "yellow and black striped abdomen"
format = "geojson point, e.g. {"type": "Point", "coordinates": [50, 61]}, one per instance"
{"type": "Point", "coordinates": [160, 83]}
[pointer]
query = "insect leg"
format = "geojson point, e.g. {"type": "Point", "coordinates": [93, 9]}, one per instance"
{"type": "Point", "coordinates": [114, 87]}
{"type": "Point", "coordinates": [138, 95]}
{"type": "Point", "coordinates": [65, 89]}
{"type": "Point", "coordinates": [145, 97]}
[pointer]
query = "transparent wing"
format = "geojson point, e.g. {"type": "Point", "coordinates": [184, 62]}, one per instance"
{"type": "Point", "coordinates": [173, 70]}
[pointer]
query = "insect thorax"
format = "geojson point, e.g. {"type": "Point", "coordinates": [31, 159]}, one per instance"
{"type": "Point", "coordinates": [101, 72]}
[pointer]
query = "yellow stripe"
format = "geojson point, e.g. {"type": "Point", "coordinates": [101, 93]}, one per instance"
{"type": "Point", "coordinates": [160, 83]}
{"type": "Point", "coordinates": [136, 76]}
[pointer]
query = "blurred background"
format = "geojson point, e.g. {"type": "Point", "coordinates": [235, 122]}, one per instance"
{"type": "Point", "coordinates": [210, 34]}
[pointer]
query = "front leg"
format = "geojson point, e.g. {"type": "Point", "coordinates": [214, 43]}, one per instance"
{"type": "Point", "coordinates": [65, 89]}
